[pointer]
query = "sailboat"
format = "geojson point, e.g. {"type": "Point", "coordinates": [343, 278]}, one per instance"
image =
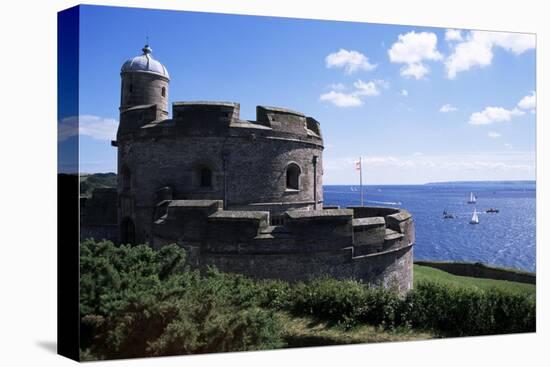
{"type": "Point", "coordinates": [473, 198]}
{"type": "Point", "coordinates": [475, 219]}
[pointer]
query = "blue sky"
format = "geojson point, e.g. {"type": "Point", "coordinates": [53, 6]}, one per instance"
{"type": "Point", "coordinates": [418, 104]}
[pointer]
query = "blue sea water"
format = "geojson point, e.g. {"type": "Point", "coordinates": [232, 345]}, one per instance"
{"type": "Point", "coordinates": [506, 238]}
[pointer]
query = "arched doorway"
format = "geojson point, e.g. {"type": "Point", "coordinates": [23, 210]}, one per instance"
{"type": "Point", "coordinates": [128, 231]}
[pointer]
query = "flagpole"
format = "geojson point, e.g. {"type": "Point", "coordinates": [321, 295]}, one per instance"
{"type": "Point", "coordinates": [361, 179]}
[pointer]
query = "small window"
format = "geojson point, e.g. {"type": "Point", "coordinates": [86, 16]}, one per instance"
{"type": "Point", "coordinates": [163, 91]}
{"type": "Point", "coordinates": [131, 88]}
{"type": "Point", "coordinates": [206, 177]}
{"type": "Point", "coordinates": [293, 177]}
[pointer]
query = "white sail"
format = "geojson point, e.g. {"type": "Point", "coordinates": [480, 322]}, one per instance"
{"type": "Point", "coordinates": [472, 198]}
{"type": "Point", "coordinates": [475, 218]}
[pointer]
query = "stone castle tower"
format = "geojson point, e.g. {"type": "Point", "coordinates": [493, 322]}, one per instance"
{"type": "Point", "coordinates": [144, 82]}
{"type": "Point", "coordinates": [243, 195]}
{"type": "Point", "coordinates": [207, 152]}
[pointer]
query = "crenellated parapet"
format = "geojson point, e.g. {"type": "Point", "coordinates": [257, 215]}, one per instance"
{"type": "Point", "coordinates": [374, 247]}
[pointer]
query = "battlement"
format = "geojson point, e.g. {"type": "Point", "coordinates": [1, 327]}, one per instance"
{"type": "Point", "coordinates": [239, 241]}
{"type": "Point", "coordinates": [216, 119]}
{"type": "Point", "coordinates": [206, 111]}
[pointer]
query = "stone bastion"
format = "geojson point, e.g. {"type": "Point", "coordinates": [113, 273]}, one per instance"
{"type": "Point", "coordinates": [371, 244]}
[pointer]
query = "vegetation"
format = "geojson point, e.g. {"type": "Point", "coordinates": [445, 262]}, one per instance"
{"type": "Point", "coordinates": [425, 273]}
{"type": "Point", "coordinates": [88, 183]}
{"type": "Point", "coordinates": [136, 301]}
{"type": "Point", "coordinates": [308, 331]}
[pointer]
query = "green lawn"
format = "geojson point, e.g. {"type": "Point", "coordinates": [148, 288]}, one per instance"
{"type": "Point", "coordinates": [426, 273]}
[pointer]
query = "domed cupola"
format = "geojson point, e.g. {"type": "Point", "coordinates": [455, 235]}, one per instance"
{"type": "Point", "coordinates": [144, 82]}
{"type": "Point", "coordinates": [145, 63]}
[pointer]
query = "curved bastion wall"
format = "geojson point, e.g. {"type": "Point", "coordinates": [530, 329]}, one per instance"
{"type": "Point", "coordinates": [247, 162]}
{"type": "Point", "coordinates": [369, 244]}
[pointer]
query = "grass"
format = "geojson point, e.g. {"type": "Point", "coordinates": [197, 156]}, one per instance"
{"type": "Point", "coordinates": [309, 332]}
{"type": "Point", "coordinates": [426, 273]}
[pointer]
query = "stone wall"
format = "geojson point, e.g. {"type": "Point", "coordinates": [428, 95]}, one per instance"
{"type": "Point", "coordinates": [143, 88]}
{"type": "Point", "coordinates": [309, 244]}
{"type": "Point", "coordinates": [248, 160]}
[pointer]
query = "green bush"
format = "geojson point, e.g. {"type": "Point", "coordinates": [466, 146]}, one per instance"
{"type": "Point", "coordinates": [274, 294]}
{"type": "Point", "coordinates": [339, 301]}
{"type": "Point", "coordinates": [460, 311]}
{"type": "Point", "coordinates": [382, 307]}
{"type": "Point", "coordinates": [137, 302]}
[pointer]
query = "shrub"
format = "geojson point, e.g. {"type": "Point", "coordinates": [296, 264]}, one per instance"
{"type": "Point", "coordinates": [274, 294]}
{"type": "Point", "coordinates": [335, 300]}
{"type": "Point", "coordinates": [138, 302]}
{"type": "Point", "coordinates": [382, 307]}
{"type": "Point", "coordinates": [458, 311]}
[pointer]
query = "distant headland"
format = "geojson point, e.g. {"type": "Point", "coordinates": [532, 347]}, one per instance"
{"type": "Point", "coordinates": [505, 182]}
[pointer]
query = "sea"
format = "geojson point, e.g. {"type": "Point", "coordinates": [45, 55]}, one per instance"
{"type": "Point", "coordinates": [506, 238]}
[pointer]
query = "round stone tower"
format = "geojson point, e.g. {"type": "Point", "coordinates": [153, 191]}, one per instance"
{"type": "Point", "coordinates": [143, 98]}
{"type": "Point", "coordinates": [144, 82]}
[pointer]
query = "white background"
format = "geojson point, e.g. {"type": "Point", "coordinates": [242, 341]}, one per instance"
{"type": "Point", "coordinates": [28, 183]}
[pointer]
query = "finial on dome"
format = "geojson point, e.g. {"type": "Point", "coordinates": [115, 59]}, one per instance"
{"type": "Point", "coordinates": [146, 49]}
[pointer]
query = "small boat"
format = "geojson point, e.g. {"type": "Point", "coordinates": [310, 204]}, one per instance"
{"type": "Point", "coordinates": [447, 215]}
{"type": "Point", "coordinates": [475, 218]}
{"type": "Point", "coordinates": [473, 198]}
{"type": "Point", "coordinates": [492, 210]}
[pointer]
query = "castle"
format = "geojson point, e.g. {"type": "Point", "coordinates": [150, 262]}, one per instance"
{"type": "Point", "coordinates": [244, 196]}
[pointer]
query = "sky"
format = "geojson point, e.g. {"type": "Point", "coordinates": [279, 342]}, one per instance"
{"type": "Point", "coordinates": [417, 104]}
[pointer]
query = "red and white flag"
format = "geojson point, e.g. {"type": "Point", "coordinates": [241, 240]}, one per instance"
{"type": "Point", "coordinates": [358, 165]}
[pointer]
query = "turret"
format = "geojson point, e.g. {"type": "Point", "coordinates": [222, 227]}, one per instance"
{"type": "Point", "coordinates": [144, 85]}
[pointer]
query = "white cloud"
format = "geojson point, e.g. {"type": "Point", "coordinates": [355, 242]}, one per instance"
{"type": "Point", "coordinates": [412, 49]}
{"type": "Point", "coordinates": [453, 35]}
{"type": "Point", "coordinates": [420, 168]}
{"type": "Point", "coordinates": [447, 108]}
{"type": "Point", "coordinates": [417, 71]}
{"type": "Point", "coordinates": [350, 61]}
{"type": "Point", "coordinates": [493, 114]}
{"type": "Point", "coordinates": [340, 99]}
{"type": "Point", "coordinates": [477, 49]}
{"type": "Point", "coordinates": [366, 89]}
{"type": "Point", "coordinates": [528, 102]}
{"type": "Point", "coordinates": [96, 127]}
{"type": "Point", "coordinates": [494, 135]}
{"type": "Point", "coordinates": [354, 98]}
{"type": "Point", "coordinates": [404, 92]}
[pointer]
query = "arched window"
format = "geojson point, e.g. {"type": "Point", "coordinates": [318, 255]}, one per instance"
{"type": "Point", "coordinates": [293, 176]}
{"type": "Point", "coordinates": [205, 177]}
{"type": "Point", "coordinates": [126, 179]}
{"type": "Point", "coordinates": [163, 91]}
